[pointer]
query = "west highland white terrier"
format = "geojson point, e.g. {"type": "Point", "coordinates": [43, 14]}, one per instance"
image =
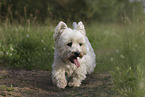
{"type": "Point", "coordinates": [74, 56]}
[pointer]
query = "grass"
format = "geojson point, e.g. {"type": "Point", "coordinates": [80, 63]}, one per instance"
{"type": "Point", "coordinates": [26, 47]}
{"type": "Point", "coordinates": [119, 49]}
{"type": "Point", "coordinates": [4, 88]}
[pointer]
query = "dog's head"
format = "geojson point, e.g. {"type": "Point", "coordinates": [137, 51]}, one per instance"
{"type": "Point", "coordinates": [70, 43]}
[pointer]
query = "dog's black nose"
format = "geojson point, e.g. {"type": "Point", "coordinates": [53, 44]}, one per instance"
{"type": "Point", "coordinates": [77, 54]}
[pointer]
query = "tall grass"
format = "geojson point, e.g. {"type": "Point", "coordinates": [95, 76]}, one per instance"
{"type": "Point", "coordinates": [26, 47]}
{"type": "Point", "coordinates": [119, 49]}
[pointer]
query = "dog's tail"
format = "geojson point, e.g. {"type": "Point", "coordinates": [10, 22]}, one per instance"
{"type": "Point", "coordinates": [74, 25]}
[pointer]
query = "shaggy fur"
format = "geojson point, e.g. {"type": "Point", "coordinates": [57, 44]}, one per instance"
{"type": "Point", "coordinates": [74, 56]}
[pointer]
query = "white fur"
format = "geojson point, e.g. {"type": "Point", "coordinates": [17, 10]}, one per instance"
{"type": "Point", "coordinates": [63, 68]}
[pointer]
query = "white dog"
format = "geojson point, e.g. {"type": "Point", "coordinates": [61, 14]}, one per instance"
{"type": "Point", "coordinates": [74, 56]}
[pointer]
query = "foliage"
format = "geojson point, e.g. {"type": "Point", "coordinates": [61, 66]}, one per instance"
{"type": "Point", "coordinates": [23, 9]}
{"type": "Point", "coordinates": [26, 47]}
{"type": "Point", "coordinates": [68, 10]}
{"type": "Point", "coordinates": [129, 82]}
{"type": "Point", "coordinates": [119, 48]}
{"type": "Point", "coordinates": [3, 88]}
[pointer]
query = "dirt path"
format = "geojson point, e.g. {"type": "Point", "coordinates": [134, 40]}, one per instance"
{"type": "Point", "coordinates": [38, 84]}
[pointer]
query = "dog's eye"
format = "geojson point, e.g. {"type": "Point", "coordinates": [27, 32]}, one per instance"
{"type": "Point", "coordinates": [80, 44]}
{"type": "Point", "coordinates": [69, 44]}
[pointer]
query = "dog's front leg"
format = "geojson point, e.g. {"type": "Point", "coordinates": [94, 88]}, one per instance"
{"type": "Point", "coordinates": [78, 77]}
{"type": "Point", "coordinates": [58, 78]}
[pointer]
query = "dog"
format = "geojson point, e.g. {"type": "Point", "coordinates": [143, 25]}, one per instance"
{"type": "Point", "coordinates": [74, 56]}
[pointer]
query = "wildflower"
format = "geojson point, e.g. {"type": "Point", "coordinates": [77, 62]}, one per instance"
{"type": "Point", "coordinates": [7, 53]}
{"type": "Point", "coordinates": [42, 41]}
{"type": "Point", "coordinates": [10, 54]}
{"type": "Point", "coordinates": [27, 35]}
{"type": "Point", "coordinates": [44, 49]}
{"type": "Point", "coordinates": [12, 49]}
{"type": "Point", "coordinates": [117, 51]}
{"type": "Point", "coordinates": [122, 56]}
{"type": "Point", "coordinates": [111, 59]}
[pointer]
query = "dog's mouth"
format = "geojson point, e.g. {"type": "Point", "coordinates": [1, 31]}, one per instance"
{"type": "Point", "coordinates": [75, 61]}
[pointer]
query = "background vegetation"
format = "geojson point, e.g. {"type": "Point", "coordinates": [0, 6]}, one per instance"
{"type": "Point", "coordinates": [68, 10]}
{"type": "Point", "coordinates": [115, 29]}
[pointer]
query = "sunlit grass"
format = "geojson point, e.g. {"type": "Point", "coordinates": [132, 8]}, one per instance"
{"type": "Point", "coordinates": [26, 47]}
{"type": "Point", "coordinates": [119, 49]}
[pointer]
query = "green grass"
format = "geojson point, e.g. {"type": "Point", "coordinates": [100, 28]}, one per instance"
{"type": "Point", "coordinates": [119, 49]}
{"type": "Point", "coordinates": [26, 47]}
{"type": "Point", "coordinates": [4, 88]}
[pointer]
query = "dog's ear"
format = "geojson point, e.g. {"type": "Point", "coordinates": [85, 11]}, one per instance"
{"type": "Point", "coordinates": [81, 27]}
{"type": "Point", "coordinates": [59, 29]}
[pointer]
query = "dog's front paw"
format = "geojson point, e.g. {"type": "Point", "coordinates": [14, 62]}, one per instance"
{"type": "Point", "coordinates": [62, 84]}
{"type": "Point", "coordinates": [74, 84]}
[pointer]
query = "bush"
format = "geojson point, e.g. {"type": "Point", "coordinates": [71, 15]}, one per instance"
{"type": "Point", "coordinates": [68, 10]}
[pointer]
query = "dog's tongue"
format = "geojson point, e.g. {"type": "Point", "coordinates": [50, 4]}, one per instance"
{"type": "Point", "coordinates": [76, 62]}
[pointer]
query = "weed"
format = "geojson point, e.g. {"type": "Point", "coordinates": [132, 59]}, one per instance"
{"type": "Point", "coordinates": [4, 88]}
